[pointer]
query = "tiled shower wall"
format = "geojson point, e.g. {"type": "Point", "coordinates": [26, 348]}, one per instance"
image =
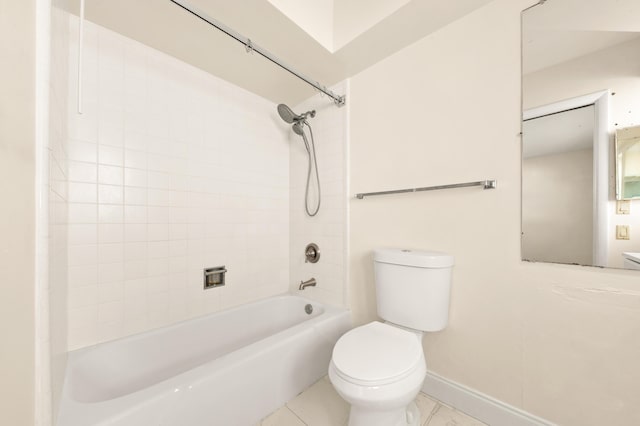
{"type": "Point", "coordinates": [171, 170]}
{"type": "Point", "coordinates": [328, 228]}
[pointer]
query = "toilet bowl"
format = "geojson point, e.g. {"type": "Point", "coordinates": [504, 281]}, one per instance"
{"type": "Point", "coordinates": [379, 368]}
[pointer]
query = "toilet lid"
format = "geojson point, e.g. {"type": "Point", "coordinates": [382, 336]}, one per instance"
{"type": "Point", "coordinates": [377, 352]}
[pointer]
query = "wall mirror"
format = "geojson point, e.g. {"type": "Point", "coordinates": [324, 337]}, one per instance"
{"type": "Point", "coordinates": [581, 100]}
{"type": "Point", "coordinates": [628, 163]}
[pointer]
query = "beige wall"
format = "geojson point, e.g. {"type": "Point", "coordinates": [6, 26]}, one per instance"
{"type": "Point", "coordinates": [559, 341]}
{"type": "Point", "coordinates": [17, 221]}
{"type": "Point", "coordinates": [557, 205]}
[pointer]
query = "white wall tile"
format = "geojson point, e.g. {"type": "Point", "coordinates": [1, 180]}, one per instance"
{"type": "Point", "coordinates": [79, 276]}
{"type": "Point", "coordinates": [110, 253]}
{"type": "Point", "coordinates": [158, 232]}
{"type": "Point", "coordinates": [83, 213]}
{"type": "Point", "coordinates": [135, 159]}
{"type": "Point", "coordinates": [135, 139]}
{"type": "Point", "coordinates": [82, 192]}
{"type": "Point", "coordinates": [158, 249]}
{"type": "Point", "coordinates": [82, 150]}
{"type": "Point", "coordinates": [135, 177]}
{"type": "Point", "coordinates": [110, 213]}
{"type": "Point", "coordinates": [135, 232]}
{"type": "Point", "coordinates": [136, 250]}
{"type": "Point", "coordinates": [82, 335]}
{"type": "Point", "coordinates": [81, 255]}
{"type": "Point", "coordinates": [84, 127]}
{"type": "Point", "coordinates": [135, 214]}
{"type": "Point", "coordinates": [112, 135]}
{"type": "Point", "coordinates": [110, 155]}
{"type": "Point", "coordinates": [167, 190]}
{"type": "Point", "coordinates": [158, 215]}
{"type": "Point", "coordinates": [110, 175]}
{"type": "Point", "coordinates": [135, 196]}
{"type": "Point", "coordinates": [110, 272]}
{"type": "Point", "coordinates": [159, 197]}
{"type": "Point", "coordinates": [159, 180]}
{"type": "Point", "coordinates": [111, 312]}
{"type": "Point", "coordinates": [80, 297]}
{"type": "Point", "coordinates": [111, 292]}
{"type": "Point", "coordinates": [135, 290]}
{"type": "Point", "coordinates": [110, 233]}
{"type": "Point", "coordinates": [134, 270]}
{"type": "Point", "coordinates": [158, 267]}
{"type": "Point", "coordinates": [83, 172]}
{"type": "Point", "coordinates": [82, 234]}
{"type": "Point", "coordinates": [110, 330]}
{"type": "Point", "coordinates": [110, 194]}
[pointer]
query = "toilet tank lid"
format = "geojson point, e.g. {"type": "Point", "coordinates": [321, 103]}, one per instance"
{"type": "Point", "coordinates": [417, 258]}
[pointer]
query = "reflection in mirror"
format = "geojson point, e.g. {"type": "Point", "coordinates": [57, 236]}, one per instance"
{"type": "Point", "coordinates": [628, 163]}
{"type": "Point", "coordinates": [557, 179]}
{"type": "Point", "coordinates": [581, 82]}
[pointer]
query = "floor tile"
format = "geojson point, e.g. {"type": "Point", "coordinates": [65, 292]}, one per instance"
{"type": "Point", "coordinates": [320, 405]}
{"type": "Point", "coordinates": [445, 416]}
{"type": "Point", "coordinates": [282, 417]}
{"type": "Point", "coordinates": [426, 406]}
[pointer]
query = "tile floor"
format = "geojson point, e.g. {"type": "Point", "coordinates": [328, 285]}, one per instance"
{"type": "Point", "coordinates": [320, 405]}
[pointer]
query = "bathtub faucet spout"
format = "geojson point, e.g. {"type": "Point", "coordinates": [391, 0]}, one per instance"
{"type": "Point", "coordinates": [309, 283]}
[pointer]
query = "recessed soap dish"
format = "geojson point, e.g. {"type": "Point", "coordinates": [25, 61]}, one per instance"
{"type": "Point", "coordinates": [214, 277]}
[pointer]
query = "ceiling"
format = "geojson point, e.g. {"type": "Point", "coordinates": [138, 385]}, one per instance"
{"type": "Point", "coordinates": [358, 39]}
{"type": "Point", "coordinates": [335, 23]}
{"type": "Point", "coordinates": [561, 30]}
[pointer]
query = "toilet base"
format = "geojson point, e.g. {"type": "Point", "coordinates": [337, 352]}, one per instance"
{"type": "Point", "coordinates": [405, 416]}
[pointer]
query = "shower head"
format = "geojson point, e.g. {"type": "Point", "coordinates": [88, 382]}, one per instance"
{"type": "Point", "coordinates": [297, 128]}
{"type": "Point", "coordinates": [291, 117]}
{"type": "Point", "coordinates": [287, 115]}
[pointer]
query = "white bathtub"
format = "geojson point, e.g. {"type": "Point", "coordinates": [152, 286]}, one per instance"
{"type": "Point", "coordinates": [229, 368]}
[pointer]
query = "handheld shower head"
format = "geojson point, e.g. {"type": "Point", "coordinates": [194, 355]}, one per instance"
{"type": "Point", "coordinates": [297, 128]}
{"type": "Point", "coordinates": [298, 122]}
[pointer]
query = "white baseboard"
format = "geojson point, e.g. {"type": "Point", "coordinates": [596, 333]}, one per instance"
{"type": "Point", "coordinates": [478, 405]}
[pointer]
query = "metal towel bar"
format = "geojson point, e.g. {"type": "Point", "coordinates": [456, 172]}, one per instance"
{"type": "Point", "coordinates": [486, 184]}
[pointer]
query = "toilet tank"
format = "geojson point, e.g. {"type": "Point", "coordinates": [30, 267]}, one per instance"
{"type": "Point", "coordinates": [413, 287]}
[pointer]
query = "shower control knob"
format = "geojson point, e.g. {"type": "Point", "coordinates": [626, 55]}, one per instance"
{"type": "Point", "coordinates": [312, 253]}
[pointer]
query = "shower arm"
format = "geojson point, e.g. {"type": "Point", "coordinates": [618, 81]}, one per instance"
{"type": "Point", "coordinates": [339, 100]}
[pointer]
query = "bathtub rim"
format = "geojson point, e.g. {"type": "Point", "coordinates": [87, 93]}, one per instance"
{"type": "Point", "coordinates": [77, 352]}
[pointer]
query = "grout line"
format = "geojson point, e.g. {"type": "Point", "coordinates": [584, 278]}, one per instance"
{"type": "Point", "coordinates": [295, 414]}
{"type": "Point", "coordinates": [433, 413]}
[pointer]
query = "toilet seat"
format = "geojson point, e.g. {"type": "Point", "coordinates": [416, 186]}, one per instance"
{"type": "Point", "coordinates": [377, 354]}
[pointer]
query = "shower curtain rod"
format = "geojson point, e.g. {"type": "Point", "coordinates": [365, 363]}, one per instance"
{"type": "Point", "coordinates": [252, 47]}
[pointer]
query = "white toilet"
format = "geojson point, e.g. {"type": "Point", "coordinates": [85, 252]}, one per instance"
{"type": "Point", "coordinates": [379, 367]}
